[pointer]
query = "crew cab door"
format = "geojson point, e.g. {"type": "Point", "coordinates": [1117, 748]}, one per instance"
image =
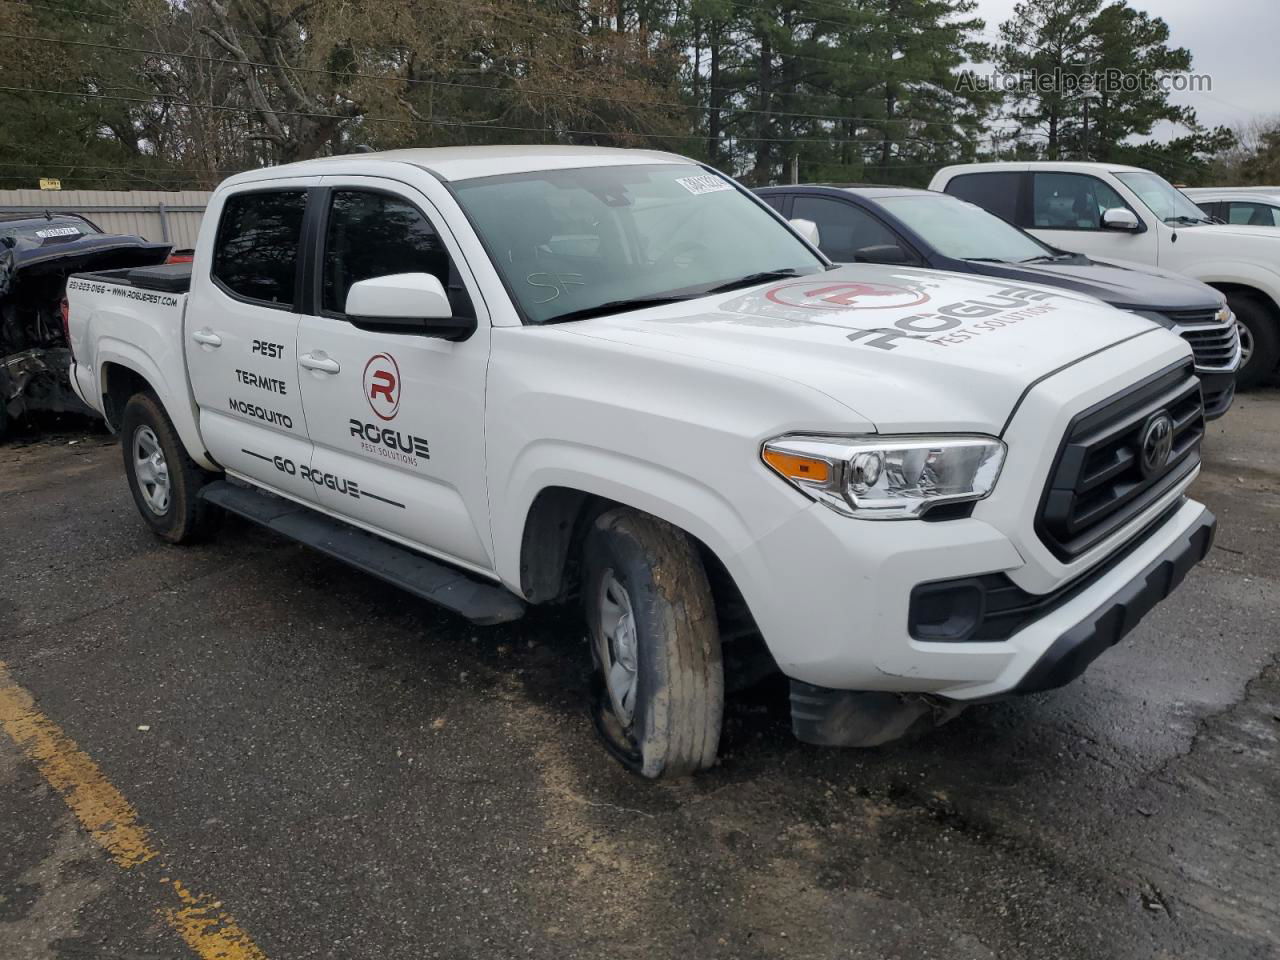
{"type": "Point", "coordinates": [397, 419]}
{"type": "Point", "coordinates": [1066, 211]}
{"type": "Point", "coordinates": [241, 337]}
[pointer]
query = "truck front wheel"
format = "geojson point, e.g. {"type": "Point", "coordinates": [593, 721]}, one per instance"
{"type": "Point", "coordinates": [655, 643]}
{"type": "Point", "coordinates": [1259, 342]}
{"type": "Point", "coordinates": [164, 481]}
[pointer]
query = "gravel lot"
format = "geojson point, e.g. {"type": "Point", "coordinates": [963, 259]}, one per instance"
{"type": "Point", "coordinates": [355, 774]}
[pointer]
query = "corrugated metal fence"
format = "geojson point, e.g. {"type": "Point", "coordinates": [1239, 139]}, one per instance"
{"type": "Point", "coordinates": [171, 216]}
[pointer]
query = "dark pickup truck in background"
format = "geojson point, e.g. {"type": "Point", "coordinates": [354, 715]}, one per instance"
{"type": "Point", "coordinates": [37, 254]}
{"type": "Point", "coordinates": [924, 228]}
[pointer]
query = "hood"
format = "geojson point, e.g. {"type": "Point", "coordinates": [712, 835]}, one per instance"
{"type": "Point", "coordinates": [1129, 286]}
{"type": "Point", "coordinates": [907, 349]}
{"type": "Point", "coordinates": [98, 251]}
{"type": "Point", "coordinates": [1240, 230]}
{"type": "Point", "coordinates": [1225, 251]}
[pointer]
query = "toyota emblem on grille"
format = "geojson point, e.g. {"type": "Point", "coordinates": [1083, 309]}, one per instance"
{"type": "Point", "coordinates": [1157, 443]}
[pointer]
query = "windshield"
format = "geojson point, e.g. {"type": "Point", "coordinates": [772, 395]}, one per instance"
{"type": "Point", "coordinates": [570, 241]}
{"type": "Point", "coordinates": [962, 230]}
{"type": "Point", "coordinates": [1162, 198]}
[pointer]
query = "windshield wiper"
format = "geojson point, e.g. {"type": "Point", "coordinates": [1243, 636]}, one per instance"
{"type": "Point", "coordinates": [1050, 258]}
{"type": "Point", "coordinates": [1187, 220]}
{"type": "Point", "coordinates": [639, 303]}
{"type": "Point", "coordinates": [620, 306]}
{"type": "Point", "coordinates": [984, 260]}
{"type": "Point", "coordinates": [751, 279]}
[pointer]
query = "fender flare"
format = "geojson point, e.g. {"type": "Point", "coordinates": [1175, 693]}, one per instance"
{"type": "Point", "coordinates": [177, 403]}
{"type": "Point", "coordinates": [1265, 282]}
{"type": "Point", "coordinates": [680, 499]}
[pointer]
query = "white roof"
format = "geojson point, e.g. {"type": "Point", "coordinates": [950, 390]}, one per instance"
{"type": "Point", "coordinates": [1065, 166]}
{"type": "Point", "coordinates": [467, 163]}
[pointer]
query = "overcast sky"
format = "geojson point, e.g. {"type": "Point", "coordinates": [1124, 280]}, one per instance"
{"type": "Point", "coordinates": [1236, 42]}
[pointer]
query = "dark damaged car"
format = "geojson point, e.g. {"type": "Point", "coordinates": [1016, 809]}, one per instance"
{"type": "Point", "coordinates": [37, 254]}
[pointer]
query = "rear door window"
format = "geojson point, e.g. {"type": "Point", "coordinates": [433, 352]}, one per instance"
{"type": "Point", "coordinates": [255, 256]}
{"type": "Point", "coordinates": [996, 192]}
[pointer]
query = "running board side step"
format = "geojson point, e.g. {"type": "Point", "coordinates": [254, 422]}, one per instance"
{"type": "Point", "coordinates": [480, 602]}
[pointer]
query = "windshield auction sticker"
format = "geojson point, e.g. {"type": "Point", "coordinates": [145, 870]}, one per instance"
{"type": "Point", "coordinates": [705, 183]}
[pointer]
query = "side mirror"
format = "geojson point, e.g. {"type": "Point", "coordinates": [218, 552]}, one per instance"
{"type": "Point", "coordinates": [807, 229]}
{"type": "Point", "coordinates": [406, 303]}
{"type": "Point", "coordinates": [881, 253]}
{"type": "Point", "coordinates": [1120, 218]}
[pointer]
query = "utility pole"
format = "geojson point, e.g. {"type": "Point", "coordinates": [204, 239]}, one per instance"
{"type": "Point", "coordinates": [795, 168]}
{"type": "Point", "coordinates": [1086, 126]}
{"type": "Point", "coordinates": [1088, 94]}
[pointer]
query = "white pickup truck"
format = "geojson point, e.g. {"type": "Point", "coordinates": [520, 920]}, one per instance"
{"type": "Point", "coordinates": [1113, 212]}
{"type": "Point", "coordinates": [510, 376]}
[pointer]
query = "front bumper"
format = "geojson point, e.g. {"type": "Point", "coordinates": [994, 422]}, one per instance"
{"type": "Point", "coordinates": [1115, 616]}
{"type": "Point", "coordinates": [841, 620]}
{"type": "Point", "coordinates": [828, 717]}
{"type": "Point", "coordinates": [1219, 389]}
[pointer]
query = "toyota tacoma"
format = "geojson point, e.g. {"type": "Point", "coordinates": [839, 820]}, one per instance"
{"type": "Point", "coordinates": [503, 376]}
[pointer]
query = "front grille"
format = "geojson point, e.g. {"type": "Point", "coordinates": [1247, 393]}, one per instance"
{"type": "Point", "coordinates": [1193, 317]}
{"type": "Point", "coordinates": [1097, 483]}
{"type": "Point", "coordinates": [1216, 345]}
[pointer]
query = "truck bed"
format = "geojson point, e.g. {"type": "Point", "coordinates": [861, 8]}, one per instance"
{"type": "Point", "coordinates": [133, 319]}
{"type": "Point", "coordinates": [164, 278]}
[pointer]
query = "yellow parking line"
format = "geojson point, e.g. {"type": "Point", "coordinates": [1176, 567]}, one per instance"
{"type": "Point", "coordinates": [210, 932]}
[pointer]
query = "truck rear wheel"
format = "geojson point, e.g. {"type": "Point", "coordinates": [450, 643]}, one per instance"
{"type": "Point", "coordinates": [164, 481]}
{"type": "Point", "coordinates": [1259, 341]}
{"type": "Point", "coordinates": [655, 643]}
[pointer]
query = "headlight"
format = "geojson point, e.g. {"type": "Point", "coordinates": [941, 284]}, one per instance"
{"type": "Point", "coordinates": [887, 478]}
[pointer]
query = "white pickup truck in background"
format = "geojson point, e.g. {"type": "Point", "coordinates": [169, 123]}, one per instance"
{"type": "Point", "coordinates": [1113, 212]}
{"type": "Point", "coordinates": [510, 376]}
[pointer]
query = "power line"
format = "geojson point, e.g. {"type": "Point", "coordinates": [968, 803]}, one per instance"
{"type": "Point", "coordinates": [866, 121]}
{"type": "Point", "coordinates": [92, 166]}
{"type": "Point", "coordinates": [477, 124]}
{"type": "Point", "coordinates": [535, 15]}
{"type": "Point", "coordinates": [462, 4]}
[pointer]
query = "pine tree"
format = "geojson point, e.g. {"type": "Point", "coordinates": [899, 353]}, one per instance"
{"type": "Point", "coordinates": [1095, 73]}
{"type": "Point", "coordinates": [1044, 43]}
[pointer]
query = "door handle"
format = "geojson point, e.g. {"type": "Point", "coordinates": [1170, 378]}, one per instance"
{"type": "Point", "coordinates": [319, 361]}
{"type": "Point", "coordinates": [207, 337]}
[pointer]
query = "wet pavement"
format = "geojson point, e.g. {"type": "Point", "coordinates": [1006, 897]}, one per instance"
{"type": "Point", "coordinates": [355, 774]}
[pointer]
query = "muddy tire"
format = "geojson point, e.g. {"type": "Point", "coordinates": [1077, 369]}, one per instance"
{"type": "Point", "coordinates": [1260, 336]}
{"type": "Point", "coordinates": [655, 643]}
{"type": "Point", "coordinates": [164, 481]}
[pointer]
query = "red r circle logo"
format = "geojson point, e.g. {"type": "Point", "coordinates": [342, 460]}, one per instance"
{"type": "Point", "coordinates": [816, 295]}
{"type": "Point", "coordinates": [382, 385]}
